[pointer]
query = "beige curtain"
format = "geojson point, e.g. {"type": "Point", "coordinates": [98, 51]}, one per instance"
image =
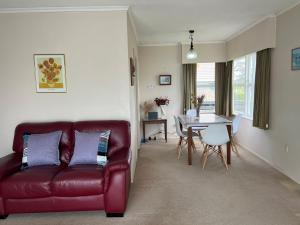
{"type": "Point", "coordinates": [228, 90]}
{"type": "Point", "coordinates": [189, 85]}
{"type": "Point", "coordinates": [220, 70]}
{"type": "Point", "coordinates": [224, 88]}
{"type": "Point", "coordinates": [262, 89]}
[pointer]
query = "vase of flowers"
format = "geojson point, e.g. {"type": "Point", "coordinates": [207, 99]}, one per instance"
{"type": "Point", "coordinates": [197, 102]}
{"type": "Point", "coordinates": [161, 101]}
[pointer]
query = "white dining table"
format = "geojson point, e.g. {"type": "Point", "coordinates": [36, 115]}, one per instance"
{"type": "Point", "coordinates": [204, 120]}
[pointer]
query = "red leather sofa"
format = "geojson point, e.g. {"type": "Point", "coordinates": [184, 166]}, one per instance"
{"type": "Point", "coordinates": [63, 188]}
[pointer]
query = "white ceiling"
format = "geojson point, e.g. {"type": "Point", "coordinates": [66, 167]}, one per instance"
{"type": "Point", "coordinates": [168, 21]}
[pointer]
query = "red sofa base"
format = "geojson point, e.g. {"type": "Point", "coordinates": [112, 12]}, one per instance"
{"type": "Point", "coordinates": [54, 204]}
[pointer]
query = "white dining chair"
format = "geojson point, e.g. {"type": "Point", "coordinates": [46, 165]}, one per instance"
{"type": "Point", "coordinates": [183, 137]}
{"type": "Point", "coordinates": [193, 113]}
{"type": "Point", "coordinates": [235, 127]}
{"type": "Point", "coordinates": [214, 137]}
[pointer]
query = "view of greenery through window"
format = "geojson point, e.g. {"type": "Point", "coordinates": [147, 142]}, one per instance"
{"type": "Point", "coordinates": [206, 85]}
{"type": "Point", "coordinates": [243, 85]}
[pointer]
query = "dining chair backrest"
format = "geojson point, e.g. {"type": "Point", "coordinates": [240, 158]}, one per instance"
{"type": "Point", "coordinates": [191, 112]}
{"type": "Point", "coordinates": [177, 125]}
{"type": "Point", "coordinates": [236, 123]}
{"type": "Point", "coordinates": [215, 134]}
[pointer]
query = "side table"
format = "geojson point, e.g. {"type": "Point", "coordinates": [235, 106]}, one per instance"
{"type": "Point", "coordinates": [156, 121]}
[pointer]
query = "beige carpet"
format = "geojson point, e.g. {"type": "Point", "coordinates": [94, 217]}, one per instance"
{"type": "Point", "coordinates": [168, 191]}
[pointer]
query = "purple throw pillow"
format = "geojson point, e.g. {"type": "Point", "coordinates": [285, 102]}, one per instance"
{"type": "Point", "coordinates": [43, 149]}
{"type": "Point", "coordinates": [86, 148]}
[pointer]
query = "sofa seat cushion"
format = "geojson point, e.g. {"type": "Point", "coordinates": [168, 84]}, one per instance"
{"type": "Point", "coordinates": [79, 180]}
{"type": "Point", "coordinates": [34, 182]}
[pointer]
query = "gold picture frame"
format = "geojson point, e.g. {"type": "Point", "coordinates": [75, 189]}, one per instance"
{"type": "Point", "coordinates": [50, 73]}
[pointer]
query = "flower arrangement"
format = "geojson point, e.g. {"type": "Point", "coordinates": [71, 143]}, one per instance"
{"type": "Point", "coordinates": [162, 101]}
{"type": "Point", "coordinates": [197, 102]}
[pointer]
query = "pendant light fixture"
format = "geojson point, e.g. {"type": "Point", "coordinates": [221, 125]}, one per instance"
{"type": "Point", "coordinates": [191, 54]}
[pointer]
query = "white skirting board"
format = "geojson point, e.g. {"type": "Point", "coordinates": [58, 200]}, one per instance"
{"type": "Point", "coordinates": [265, 160]}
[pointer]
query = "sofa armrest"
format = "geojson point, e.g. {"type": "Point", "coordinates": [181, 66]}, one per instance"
{"type": "Point", "coordinates": [117, 162]}
{"type": "Point", "coordinates": [117, 182]}
{"type": "Point", "coordinates": [10, 164]}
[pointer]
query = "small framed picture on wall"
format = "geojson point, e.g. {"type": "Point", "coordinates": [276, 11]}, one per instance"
{"type": "Point", "coordinates": [165, 79]}
{"type": "Point", "coordinates": [296, 59]}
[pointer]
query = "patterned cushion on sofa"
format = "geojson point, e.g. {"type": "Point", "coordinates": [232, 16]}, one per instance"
{"type": "Point", "coordinates": [103, 147]}
{"type": "Point", "coordinates": [90, 148]}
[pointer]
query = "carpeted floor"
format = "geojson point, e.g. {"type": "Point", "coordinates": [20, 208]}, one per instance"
{"type": "Point", "coordinates": [168, 191]}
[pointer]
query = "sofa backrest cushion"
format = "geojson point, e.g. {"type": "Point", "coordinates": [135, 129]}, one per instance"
{"type": "Point", "coordinates": [119, 137]}
{"type": "Point", "coordinates": [66, 142]}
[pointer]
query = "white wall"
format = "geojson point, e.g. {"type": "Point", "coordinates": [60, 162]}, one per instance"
{"type": "Point", "coordinates": [134, 96]}
{"type": "Point", "coordinates": [258, 37]}
{"type": "Point", "coordinates": [215, 52]}
{"type": "Point", "coordinates": [154, 61]}
{"type": "Point", "coordinates": [96, 53]}
{"type": "Point", "coordinates": [284, 107]}
{"type": "Point", "coordinates": [157, 60]}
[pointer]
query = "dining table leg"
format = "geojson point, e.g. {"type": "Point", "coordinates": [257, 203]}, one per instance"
{"type": "Point", "coordinates": [190, 139]}
{"type": "Point", "coordinates": [229, 145]}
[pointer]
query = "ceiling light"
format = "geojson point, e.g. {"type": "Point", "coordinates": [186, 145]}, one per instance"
{"type": "Point", "coordinates": [191, 54]}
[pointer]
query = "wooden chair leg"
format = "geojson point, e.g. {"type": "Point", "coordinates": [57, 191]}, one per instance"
{"type": "Point", "coordinates": [205, 159]}
{"type": "Point", "coordinates": [179, 152]}
{"type": "Point", "coordinates": [223, 157]}
{"type": "Point", "coordinates": [234, 147]}
{"type": "Point", "coordinates": [202, 155]}
{"type": "Point", "coordinates": [193, 146]}
{"type": "Point", "coordinates": [201, 158]}
{"type": "Point", "coordinates": [200, 137]}
{"type": "Point", "coordinates": [205, 156]}
{"type": "Point", "coordinates": [180, 141]}
{"type": "Point", "coordinates": [179, 148]}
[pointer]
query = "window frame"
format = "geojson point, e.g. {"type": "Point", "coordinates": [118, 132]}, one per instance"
{"type": "Point", "coordinates": [249, 86]}
{"type": "Point", "coordinates": [214, 85]}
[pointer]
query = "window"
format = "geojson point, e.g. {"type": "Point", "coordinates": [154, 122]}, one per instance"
{"type": "Point", "coordinates": [243, 85]}
{"type": "Point", "coordinates": [206, 85]}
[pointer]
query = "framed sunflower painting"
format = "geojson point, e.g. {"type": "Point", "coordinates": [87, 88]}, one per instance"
{"type": "Point", "coordinates": [50, 73]}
